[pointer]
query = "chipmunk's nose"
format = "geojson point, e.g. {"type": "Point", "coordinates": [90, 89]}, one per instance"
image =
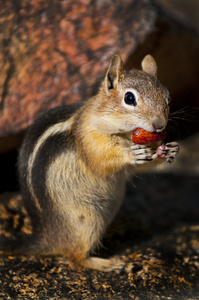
{"type": "Point", "coordinates": [158, 124]}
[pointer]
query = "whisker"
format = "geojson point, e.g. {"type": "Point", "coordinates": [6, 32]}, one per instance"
{"type": "Point", "coordinates": [184, 119]}
{"type": "Point", "coordinates": [185, 114]}
{"type": "Point", "coordinates": [173, 128]}
{"type": "Point", "coordinates": [183, 109]}
{"type": "Point", "coordinates": [186, 111]}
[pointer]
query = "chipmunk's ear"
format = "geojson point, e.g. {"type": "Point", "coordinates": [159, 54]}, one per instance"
{"type": "Point", "coordinates": [149, 65]}
{"type": "Point", "coordinates": [114, 72]}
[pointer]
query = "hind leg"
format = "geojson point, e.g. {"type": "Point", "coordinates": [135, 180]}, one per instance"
{"type": "Point", "coordinates": [106, 265]}
{"type": "Point", "coordinates": [78, 251]}
{"type": "Point", "coordinates": [100, 264]}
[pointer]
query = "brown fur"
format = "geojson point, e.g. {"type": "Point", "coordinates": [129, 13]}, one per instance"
{"type": "Point", "coordinates": [73, 171]}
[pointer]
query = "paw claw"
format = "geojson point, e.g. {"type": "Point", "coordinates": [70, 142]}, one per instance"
{"type": "Point", "coordinates": [142, 153]}
{"type": "Point", "coordinates": [168, 151]}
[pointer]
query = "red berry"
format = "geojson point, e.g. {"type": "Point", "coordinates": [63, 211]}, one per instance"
{"type": "Point", "coordinates": [142, 137]}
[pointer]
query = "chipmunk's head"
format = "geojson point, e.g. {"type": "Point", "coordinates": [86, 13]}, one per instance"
{"type": "Point", "coordinates": [132, 98]}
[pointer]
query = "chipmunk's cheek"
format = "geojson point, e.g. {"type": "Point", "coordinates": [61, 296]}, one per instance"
{"type": "Point", "coordinates": [161, 151]}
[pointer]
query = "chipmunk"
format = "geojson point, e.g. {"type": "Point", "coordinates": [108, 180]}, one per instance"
{"type": "Point", "coordinates": [75, 161]}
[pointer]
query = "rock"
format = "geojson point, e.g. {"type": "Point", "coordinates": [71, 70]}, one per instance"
{"type": "Point", "coordinates": [54, 53]}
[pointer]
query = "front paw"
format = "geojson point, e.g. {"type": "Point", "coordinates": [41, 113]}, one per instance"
{"type": "Point", "coordinates": [168, 151]}
{"type": "Point", "coordinates": [142, 154]}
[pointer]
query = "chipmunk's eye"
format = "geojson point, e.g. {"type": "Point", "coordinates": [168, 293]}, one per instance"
{"type": "Point", "coordinates": [130, 99]}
